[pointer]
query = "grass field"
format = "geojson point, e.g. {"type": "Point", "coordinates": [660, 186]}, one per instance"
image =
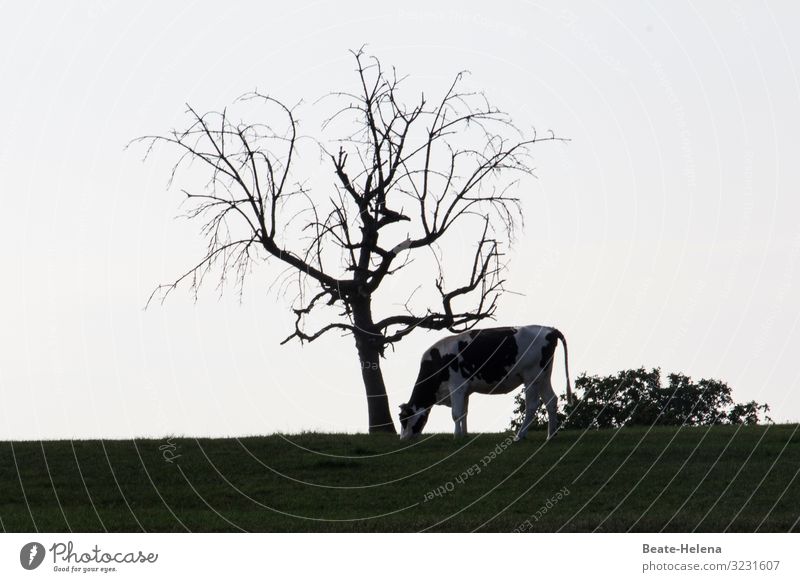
{"type": "Point", "coordinates": [718, 479]}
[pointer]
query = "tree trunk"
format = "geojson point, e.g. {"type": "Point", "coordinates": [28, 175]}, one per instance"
{"type": "Point", "coordinates": [369, 344]}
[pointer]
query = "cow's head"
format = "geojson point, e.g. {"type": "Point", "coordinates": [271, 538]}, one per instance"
{"type": "Point", "coordinates": [412, 420]}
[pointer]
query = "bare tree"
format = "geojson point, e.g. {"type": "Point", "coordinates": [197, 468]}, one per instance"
{"type": "Point", "coordinates": [404, 177]}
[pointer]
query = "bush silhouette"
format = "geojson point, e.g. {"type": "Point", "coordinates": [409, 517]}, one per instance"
{"type": "Point", "coordinates": [637, 397]}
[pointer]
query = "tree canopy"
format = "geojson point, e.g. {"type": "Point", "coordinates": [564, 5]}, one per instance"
{"type": "Point", "coordinates": [640, 397]}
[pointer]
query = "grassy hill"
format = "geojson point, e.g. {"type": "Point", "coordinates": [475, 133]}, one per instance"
{"type": "Point", "coordinates": [704, 479]}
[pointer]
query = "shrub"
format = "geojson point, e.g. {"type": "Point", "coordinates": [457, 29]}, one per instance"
{"type": "Point", "coordinates": [637, 397]}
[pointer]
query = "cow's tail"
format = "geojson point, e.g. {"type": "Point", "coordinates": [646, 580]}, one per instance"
{"type": "Point", "coordinates": [566, 366]}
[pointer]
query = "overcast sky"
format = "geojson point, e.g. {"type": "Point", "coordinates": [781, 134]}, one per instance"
{"type": "Point", "coordinates": [664, 234]}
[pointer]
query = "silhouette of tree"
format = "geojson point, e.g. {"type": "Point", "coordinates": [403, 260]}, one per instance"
{"type": "Point", "coordinates": [637, 397]}
{"type": "Point", "coordinates": [405, 177]}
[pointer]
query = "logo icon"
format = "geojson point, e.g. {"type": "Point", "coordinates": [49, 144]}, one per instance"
{"type": "Point", "coordinates": [31, 555]}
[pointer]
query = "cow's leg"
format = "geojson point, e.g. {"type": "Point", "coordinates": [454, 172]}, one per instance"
{"type": "Point", "coordinates": [459, 408]}
{"type": "Point", "coordinates": [466, 411]}
{"type": "Point", "coordinates": [532, 403]}
{"type": "Point", "coordinates": [551, 403]}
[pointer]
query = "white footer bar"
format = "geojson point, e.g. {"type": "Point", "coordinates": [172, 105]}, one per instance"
{"type": "Point", "coordinates": [398, 557]}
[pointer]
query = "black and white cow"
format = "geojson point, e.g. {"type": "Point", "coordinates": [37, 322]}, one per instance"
{"type": "Point", "coordinates": [487, 361]}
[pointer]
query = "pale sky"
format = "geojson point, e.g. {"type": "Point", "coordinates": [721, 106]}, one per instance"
{"type": "Point", "coordinates": [664, 234]}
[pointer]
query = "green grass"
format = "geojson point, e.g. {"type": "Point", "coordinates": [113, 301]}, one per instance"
{"type": "Point", "coordinates": [719, 479]}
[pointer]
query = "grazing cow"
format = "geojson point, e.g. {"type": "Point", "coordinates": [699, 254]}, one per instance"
{"type": "Point", "coordinates": [487, 361]}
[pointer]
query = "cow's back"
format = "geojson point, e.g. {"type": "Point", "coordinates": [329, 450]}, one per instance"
{"type": "Point", "coordinates": [537, 344]}
{"type": "Point", "coordinates": [491, 360]}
